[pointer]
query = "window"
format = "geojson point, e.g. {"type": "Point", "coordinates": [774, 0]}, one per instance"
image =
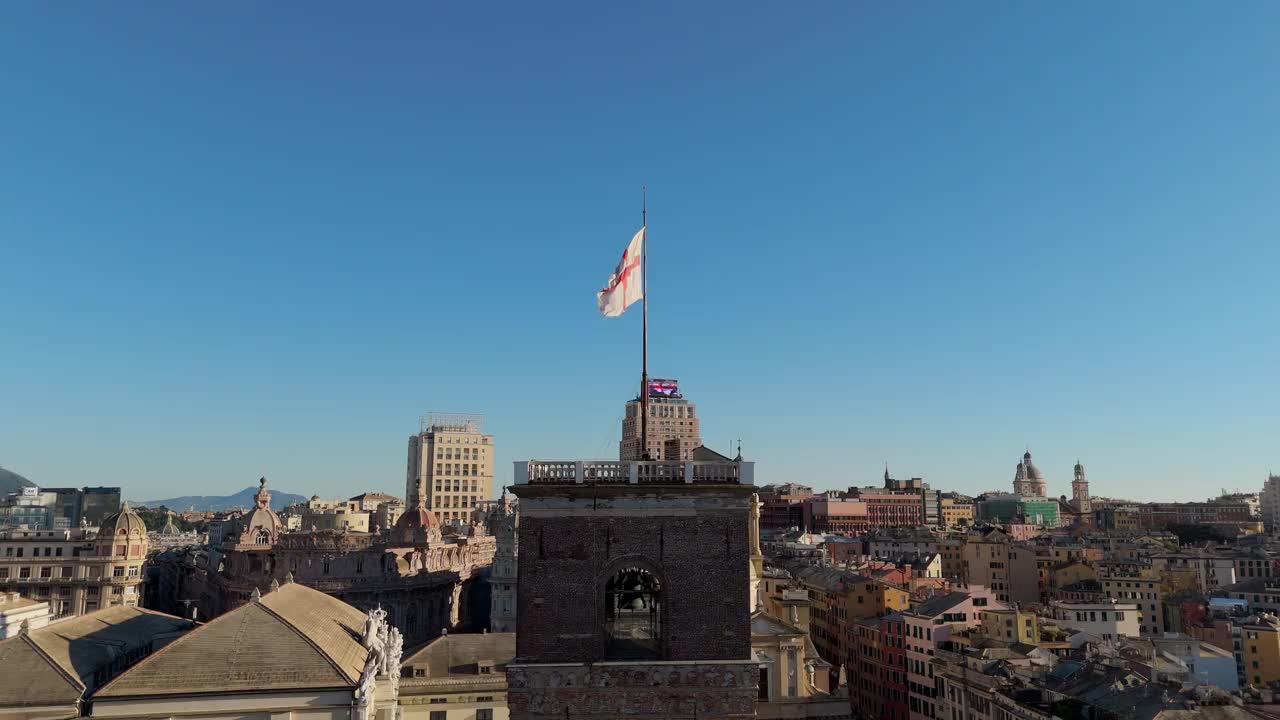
{"type": "Point", "coordinates": [46, 573]}
{"type": "Point", "coordinates": [484, 714]}
{"type": "Point", "coordinates": [4, 573]}
{"type": "Point", "coordinates": [24, 573]}
{"type": "Point", "coordinates": [633, 600]}
{"type": "Point", "coordinates": [117, 572]}
{"type": "Point", "coordinates": [438, 714]}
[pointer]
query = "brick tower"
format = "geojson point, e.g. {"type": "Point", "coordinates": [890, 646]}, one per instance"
{"type": "Point", "coordinates": [632, 593]}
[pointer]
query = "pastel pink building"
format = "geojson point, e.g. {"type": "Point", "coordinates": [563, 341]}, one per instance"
{"type": "Point", "coordinates": [928, 627]}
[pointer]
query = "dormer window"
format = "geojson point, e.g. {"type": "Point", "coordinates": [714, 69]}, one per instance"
{"type": "Point", "coordinates": [264, 538]}
{"type": "Point", "coordinates": [485, 667]}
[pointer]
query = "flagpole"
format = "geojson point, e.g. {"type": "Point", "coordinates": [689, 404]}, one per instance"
{"type": "Point", "coordinates": [644, 326]}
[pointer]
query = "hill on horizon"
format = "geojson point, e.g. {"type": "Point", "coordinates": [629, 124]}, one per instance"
{"type": "Point", "coordinates": [242, 499]}
{"type": "Point", "coordinates": [10, 481]}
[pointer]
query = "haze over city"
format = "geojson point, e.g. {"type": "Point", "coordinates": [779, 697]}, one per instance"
{"type": "Point", "coordinates": [264, 242]}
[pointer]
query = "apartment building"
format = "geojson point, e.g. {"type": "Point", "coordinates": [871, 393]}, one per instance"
{"type": "Point", "coordinates": [450, 466]}
{"type": "Point", "coordinates": [80, 570]}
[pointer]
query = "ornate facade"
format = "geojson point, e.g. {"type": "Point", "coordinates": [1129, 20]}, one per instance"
{"type": "Point", "coordinates": [77, 571]}
{"type": "Point", "coordinates": [1028, 480]}
{"type": "Point", "coordinates": [504, 522]}
{"type": "Point", "coordinates": [427, 578]}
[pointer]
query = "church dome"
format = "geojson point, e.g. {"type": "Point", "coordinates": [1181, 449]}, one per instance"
{"type": "Point", "coordinates": [1033, 472]}
{"type": "Point", "coordinates": [419, 517]}
{"type": "Point", "coordinates": [125, 522]}
{"type": "Point", "coordinates": [416, 525]}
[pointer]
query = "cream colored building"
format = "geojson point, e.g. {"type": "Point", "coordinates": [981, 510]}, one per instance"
{"type": "Point", "coordinates": [795, 682]}
{"type": "Point", "coordinates": [77, 571]}
{"type": "Point", "coordinates": [18, 614]}
{"type": "Point", "coordinates": [458, 677]}
{"type": "Point", "coordinates": [450, 467]}
{"type": "Point", "coordinates": [291, 653]}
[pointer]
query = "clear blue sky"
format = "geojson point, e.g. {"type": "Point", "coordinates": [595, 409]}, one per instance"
{"type": "Point", "coordinates": [264, 238]}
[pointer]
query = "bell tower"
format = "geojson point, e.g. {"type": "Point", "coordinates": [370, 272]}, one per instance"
{"type": "Point", "coordinates": [631, 590]}
{"type": "Point", "coordinates": [1080, 490]}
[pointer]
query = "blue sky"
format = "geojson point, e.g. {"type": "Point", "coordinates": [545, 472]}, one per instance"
{"type": "Point", "coordinates": [262, 240]}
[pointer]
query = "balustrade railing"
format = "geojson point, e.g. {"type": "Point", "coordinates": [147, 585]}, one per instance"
{"type": "Point", "coordinates": [632, 472]}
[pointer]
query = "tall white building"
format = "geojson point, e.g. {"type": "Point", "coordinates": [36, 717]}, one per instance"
{"type": "Point", "coordinates": [1270, 499]}
{"type": "Point", "coordinates": [450, 466]}
{"type": "Point", "coordinates": [504, 520]}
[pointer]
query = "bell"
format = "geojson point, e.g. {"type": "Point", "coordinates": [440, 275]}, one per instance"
{"type": "Point", "coordinates": [637, 604]}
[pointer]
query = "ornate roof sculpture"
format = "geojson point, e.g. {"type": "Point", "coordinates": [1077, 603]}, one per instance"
{"type": "Point", "coordinates": [261, 526]}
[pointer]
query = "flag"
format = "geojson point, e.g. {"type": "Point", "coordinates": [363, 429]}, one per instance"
{"type": "Point", "coordinates": [626, 284]}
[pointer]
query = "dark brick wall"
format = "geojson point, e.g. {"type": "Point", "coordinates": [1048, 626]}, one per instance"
{"type": "Point", "coordinates": [565, 560]}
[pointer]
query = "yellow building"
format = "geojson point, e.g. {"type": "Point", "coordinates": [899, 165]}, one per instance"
{"type": "Point", "coordinates": [1071, 573]}
{"type": "Point", "coordinates": [1260, 647]}
{"type": "Point", "coordinates": [839, 598]}
{"type": "Point", "coordinates": [954, 512]}
{"type": "Point", "coordinates": [1011, 625]}
{"type": "Point", "coordinates": [463, 675]}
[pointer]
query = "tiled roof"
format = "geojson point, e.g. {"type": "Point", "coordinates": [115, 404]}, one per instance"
{"type": "Point", "coordinates": [30, 679]}
{"type": "Point", "coordinates": [940, 604]}
{"type": "Point", "coordinates": [293, 638]}
{"type": "Point", "coordinates": [56, 664]}
{"type": "Point", "coordinates": [455, 658]}
{"type": "Point", "coordinates": [765, 624]}
{"type": "Point", "coordinates": [832, 580]}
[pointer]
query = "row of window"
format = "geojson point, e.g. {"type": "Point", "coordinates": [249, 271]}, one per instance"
{"type": "Point", "coordinates": [46, 572]}
{"type": "Point", "coordinates": [35, 551]}
{"type": "Point", "coordinates": [459, 469]}
{"type": "Point", "coordinates": [445, 501]}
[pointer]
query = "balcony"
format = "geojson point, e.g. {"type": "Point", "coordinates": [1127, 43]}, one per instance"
{"type": "Point", "coordinates": [623, 472]}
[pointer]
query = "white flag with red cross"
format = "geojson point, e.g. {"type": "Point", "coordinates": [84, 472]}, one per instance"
{"type": "Point", "coordinates": [626, 284]}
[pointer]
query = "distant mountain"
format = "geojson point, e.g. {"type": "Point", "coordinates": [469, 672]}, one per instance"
{"type": "Point", "coordinates": [242, 499]}
{"type": "Point", "coordinates": [10, 481]}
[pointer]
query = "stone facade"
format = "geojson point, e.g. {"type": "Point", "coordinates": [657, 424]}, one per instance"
{"type": "Point", "coordinates": [633, 591]}
{"type": "Point", "coordinates": [573, 539]}
{"type": "Point", "coordinates": [504, 522]}
{"type": "Point", "coordinates": [619, 690]}
{"type": "Point", "coordinates": [426, 581]}
{"type": "Point", "coordinates": [77, 571]}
